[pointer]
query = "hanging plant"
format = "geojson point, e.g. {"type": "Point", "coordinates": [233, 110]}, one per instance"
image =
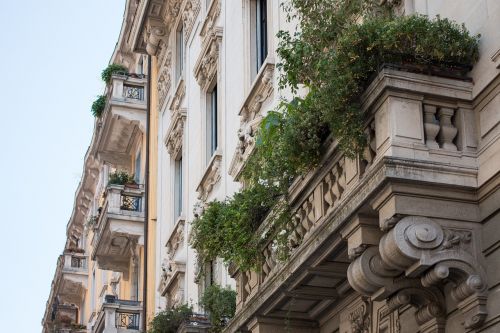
{"type": "Point", "coordinates": [220, 303]}
{"type": "Point", "coordinates": [98, 106]}
{"type": "Point", "coordinates": [112, 69]}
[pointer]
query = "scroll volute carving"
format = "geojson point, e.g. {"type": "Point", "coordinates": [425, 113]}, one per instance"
{"type": "Point", "coordinates": [411, 264]}
{"type": "Point", "coordinates": [155, 32]}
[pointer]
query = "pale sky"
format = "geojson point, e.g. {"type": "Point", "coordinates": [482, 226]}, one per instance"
{"type": "Point", "coordinates": [52, 53]}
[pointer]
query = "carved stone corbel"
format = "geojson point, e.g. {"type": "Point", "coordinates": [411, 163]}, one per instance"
{"type": "Point", "coordinates": [411, 264]}
{"type": "Point", "coordinates": [155, 32]}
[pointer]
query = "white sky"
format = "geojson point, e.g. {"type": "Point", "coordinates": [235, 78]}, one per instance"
{"type": "Point", "coordinates": [51, 56]}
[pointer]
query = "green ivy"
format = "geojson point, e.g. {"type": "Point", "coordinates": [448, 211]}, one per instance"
{"type": "Point", "coordinates": [169, 321]}
{"type": "Point", "coordinates": [120, 178]}
{"type": "Point", "coordinates": [98, 106]}
{"type": "Point", "coordinates": [332, 58]}
{"type": "Point", "coordinates": [108, 72]}
{"type": "Point", "coordinates": [220, 303]}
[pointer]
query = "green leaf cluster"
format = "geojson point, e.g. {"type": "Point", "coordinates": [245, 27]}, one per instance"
{"type": "Point", "coordinates": [108, 72]}
{"type": "Point", "coordinates": [169, 321]}
{"type": "Point", "coordinates": [220, 303]}
{"type": "Point", "coordinates": [120, 178]}
{"type": "Point", "coordinates": [98, 106]}
{"type": "Point", "coordinates": [327, 65]}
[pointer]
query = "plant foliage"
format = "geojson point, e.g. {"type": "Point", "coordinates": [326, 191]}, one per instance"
{"type": "Point", "coordinates": [220, 303]}
{"type": "Point", "coordinates": [108, 72]}
{"type": "Point", "coordinates": [327, 65]}
{"type": "Point", "coordinates": [98, 106]}
{"type": "Point", "coordinates": [168, 321]}
{"type": "Point", "coordinates": [120, 178]}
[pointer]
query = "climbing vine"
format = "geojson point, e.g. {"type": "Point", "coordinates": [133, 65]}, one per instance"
{"type": "Point", "coordinates": [326, 65]}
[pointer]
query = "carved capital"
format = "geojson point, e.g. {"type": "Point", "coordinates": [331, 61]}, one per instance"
{"type": "Point", "coordinates": [156, 31]}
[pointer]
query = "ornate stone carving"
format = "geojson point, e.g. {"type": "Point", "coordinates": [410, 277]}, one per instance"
{"type": "Point", "coordinates": [205, 69]}
{"type": "Point", "coordinates": [176, 240]}
{"type": "Point", "coordinates": [210, 178]}
{"type": "Point", "coordinates": [418, 252]}
{"type": "Point", "coordinates": [360, 318]}
{"type": "Point", "coordinates": [189, 15]}
{"type": "Point", "coordinates": [165, 78]}
{"type": "Point", "coordinates": [155, 32]}
{"type": "Point", "coordinates": [250, 117]}
{"type": "Point", "coordinates": [176, 102]}
{"type": "Point", "coordinates": [209, 22]}
{"type": "Point", "coordinates": [175, 132]}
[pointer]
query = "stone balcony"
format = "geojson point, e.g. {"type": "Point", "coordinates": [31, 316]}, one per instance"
{"type": "Point", "coordinates": [124, 118]}
{"type": "Point", "coordinates": [74, 273]}
{"type": "Point", "coordinates": [118, 316]}
{"type": "Point", "coordinates": [421, 158]}
{"type": "Point", "coordinates": [120, 228]}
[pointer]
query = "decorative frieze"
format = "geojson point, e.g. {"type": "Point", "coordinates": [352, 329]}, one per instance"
{"type": "Point", "coordinates": [210, 177]}
{"type": "Point", "coordinates": [205, 69]}
{"type": "Point", "coordinates": [175, 132]}
{"type": "Point", "coordinates": [251, 116]}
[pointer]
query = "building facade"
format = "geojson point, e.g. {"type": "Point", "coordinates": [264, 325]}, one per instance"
{"type": "Point", "coordinates": [402, 239]}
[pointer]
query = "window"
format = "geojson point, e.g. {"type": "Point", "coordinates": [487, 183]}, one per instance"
{"type": "Point", "coordinates": [178, 188]}
{"type": "Point", "coordinates": [137, 170]}
{"type": "Point", "coordinates": [212, 128]}
{"type": "Point", "coordinates": [258, 38]}
{"type": "Point", "coordinates": [180, 52]}
{"type": "Point", "coordinates": [140, 66]}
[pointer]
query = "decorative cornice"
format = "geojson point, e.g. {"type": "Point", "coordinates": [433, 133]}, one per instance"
{"type": "Point", "coordinates": [210, 177]}
{"type": "Point", "coordinates": [175, 132]}
{"type": "Point", "coordinates": [251, 116]}
{"type": "Point", "coordinates": [205, 69]}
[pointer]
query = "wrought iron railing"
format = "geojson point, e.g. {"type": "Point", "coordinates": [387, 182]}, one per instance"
{"type": "Point", "coordinates": [133, 92]}
{"type": "Point", "coordinates": [127, 320]}
{"type": "Point", "coordinates": [78, 262]}
{"type": "Point", "coordinates": [130, 202]}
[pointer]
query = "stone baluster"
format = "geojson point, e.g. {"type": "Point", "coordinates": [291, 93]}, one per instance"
{"type": "Point", "coordinates": [448, 131]}
{"type": "Point", "coordinates": [431, 126]}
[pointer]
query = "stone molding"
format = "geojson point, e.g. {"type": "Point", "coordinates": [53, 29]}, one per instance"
{"type": "Point", "coordinates": [251, 116]}
{"type": "Point", "coordinates": [210, 177]}
{"type": "Point", "coordinates": [414, 259]}
{"type": "Point", "coordinates": [175, 132]}
{"type": "Point", "coordinates": [206, 67]}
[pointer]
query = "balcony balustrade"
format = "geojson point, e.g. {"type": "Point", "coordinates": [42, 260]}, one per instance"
{"type": "Point", "coordinates": [118, 315]}
{"type": "Point", "coordinates": [119, 228]}
{"type": "Point", "coordinates": [419, 128]}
